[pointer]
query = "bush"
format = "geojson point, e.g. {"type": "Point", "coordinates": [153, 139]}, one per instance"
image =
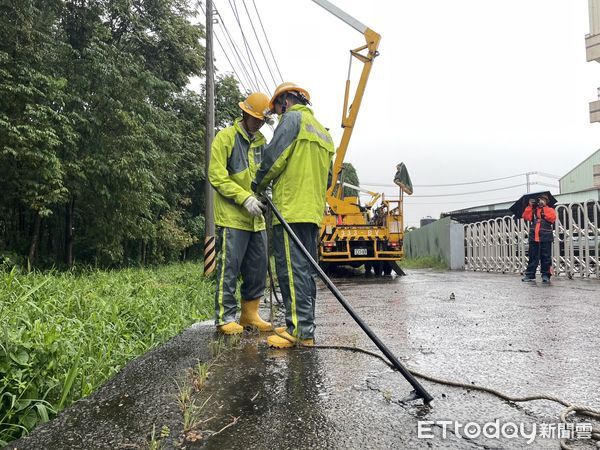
{"type": "Point", "coordinates": [424, 262]}
{"type": "Point", "coordinates": [64, 334]}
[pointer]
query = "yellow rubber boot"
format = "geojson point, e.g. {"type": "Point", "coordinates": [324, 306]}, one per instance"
{"type": "Point", "coordinates": [250, 317]}
{"type": "Point", "coordinates": [280, 330]}
{"type": "Point", "coordinates": [286, 340]}
{"type": "Point", "coordinates": [230, 328]}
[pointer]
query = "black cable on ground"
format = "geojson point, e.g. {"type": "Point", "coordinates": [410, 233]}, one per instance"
{"type": "Point", "coordinates": [570, 407]}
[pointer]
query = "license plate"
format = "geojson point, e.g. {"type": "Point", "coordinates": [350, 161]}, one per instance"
{"type": "Point", "coordinates": [360, 252]}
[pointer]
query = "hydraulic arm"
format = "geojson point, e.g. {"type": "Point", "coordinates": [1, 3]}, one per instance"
{"type": "Point", "coordinates": [365, 54]}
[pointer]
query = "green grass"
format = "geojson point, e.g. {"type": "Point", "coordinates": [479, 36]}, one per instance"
{"type": "Point", "coordinates": [424, 262]}
{"type": "Point", "coordinates": [63, 334]}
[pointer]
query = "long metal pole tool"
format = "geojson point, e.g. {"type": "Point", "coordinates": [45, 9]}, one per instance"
{"type": "Point", "coordinates": [420, 391]}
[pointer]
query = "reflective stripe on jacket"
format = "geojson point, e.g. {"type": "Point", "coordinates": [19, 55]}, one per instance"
{"type": "Point", "coordinates": [297, 160]}
{"type": "Point", "coordinates": [540, 229]}
{"type": "Point", "coordinates": [233, 164]}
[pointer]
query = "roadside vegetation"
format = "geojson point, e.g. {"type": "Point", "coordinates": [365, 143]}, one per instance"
{"type": "Point", "coordinates": [63, 334]}
{"type": "Point", "coordinates": [424, 262]}
{"type": "Point", "coordinates": [192, 401]}
{"type": "Point", "coordinates": [101, 137]}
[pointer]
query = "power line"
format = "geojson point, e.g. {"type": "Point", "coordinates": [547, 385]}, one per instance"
{"type": "Point", "coordinates": [246, 77]}
{"type": "Point", "coordinates": [248, 49]}
{"type": "Point", "coordinates": [499, 200]}
{"type": "Point", "coordinates": [236, 57]}
{"type": "Point", "coordinates": [268, 43]}
{"type": "Point", "coordinates": [452, 184]}
{"type": "Point", "coordinates": [548, 175]}
{"type": "Point", "coordinates": [545, 184]}
{"type": "Point", "coordinates": [445, 202]}
{"type": "Point", "coordinates": [245, 42]}
{"type": "Point", "coordinates": [468, 193]}
{"type": "Point", "coordinates": [227, 57]}
{"type": "Point", "coordinates": [225, 53]}
{"type": "Point", "coordinates": [233, 46]}
{"type": "Point", "coordinates": [476, 192]}
{"type": "Point", "coordinates": [259, 46]}
{"type": "Point", "coordinates": [470, 182]}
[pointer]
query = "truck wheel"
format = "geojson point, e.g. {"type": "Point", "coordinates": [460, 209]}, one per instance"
{"type": "Point", "coordinates": [377, 268]}
{"type": "Point", "coordinates": [328, 267]}
{"type": "Point", "coordinates": [368, 269]}
{"type": "Point", "coordinates": [387, 268]}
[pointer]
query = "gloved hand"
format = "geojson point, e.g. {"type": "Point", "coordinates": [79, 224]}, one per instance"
{"type": "Point", "coordinates": [253, 206]}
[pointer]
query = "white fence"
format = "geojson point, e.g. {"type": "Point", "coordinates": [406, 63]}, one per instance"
{"type": "Point", "coordinates": [500, 245]}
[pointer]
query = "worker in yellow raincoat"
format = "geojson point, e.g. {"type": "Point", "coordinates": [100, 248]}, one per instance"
{"type": "Point", "coordinates": [297, 163]}
{"type": "Point", "coordinates": [236, 154]}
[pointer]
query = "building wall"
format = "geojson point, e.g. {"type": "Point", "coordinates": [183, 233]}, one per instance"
{"type": "Point", "coordinates": [492, 207]}
{"type": "Point", "coordinates": [581, 177]}
{"type": "Point", "coordinates": [578, 197]}
{"type": "Point", "coordinates": [594, 16]}
{"type": "Point", "coordinates": [442, 239]}
{"type": "Point", "coordinates": [592, 51]}
{"type": "Point", "coordinates": [561, 199]}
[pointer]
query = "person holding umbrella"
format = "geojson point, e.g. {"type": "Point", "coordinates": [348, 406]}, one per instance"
{"type": "Point", "coordinates": [542, 217]}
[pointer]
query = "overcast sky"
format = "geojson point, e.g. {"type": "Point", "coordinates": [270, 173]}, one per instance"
{"type": "Point", "coordinates": [463, 90]}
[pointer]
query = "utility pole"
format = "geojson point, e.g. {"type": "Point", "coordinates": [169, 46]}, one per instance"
{"type": "Point", "coordinates": [209, 219]}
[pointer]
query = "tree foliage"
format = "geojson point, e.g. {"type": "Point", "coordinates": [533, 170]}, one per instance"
{"type": "Point", "coordinates": [101, 142]}
{"type": "Point", "coordinates": [350, 176]}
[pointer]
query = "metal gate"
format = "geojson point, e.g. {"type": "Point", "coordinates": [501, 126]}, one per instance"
{"type": "Point", "coordinates": [501, 245]}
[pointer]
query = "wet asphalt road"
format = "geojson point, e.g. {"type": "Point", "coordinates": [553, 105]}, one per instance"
{"type": "Point", "coordinates": [487, 329]}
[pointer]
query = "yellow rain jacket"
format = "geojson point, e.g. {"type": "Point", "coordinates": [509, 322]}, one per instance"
{"type": "Point", "coordinates": [297, 160]}
{"type": "Point", "coordinates": [233, 164]}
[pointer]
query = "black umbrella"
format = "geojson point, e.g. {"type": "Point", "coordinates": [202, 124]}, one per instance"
{"type": "Point", "coordinates": [519, 206]}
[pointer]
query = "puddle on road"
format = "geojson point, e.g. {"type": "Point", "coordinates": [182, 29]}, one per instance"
{"type": "Point", "coordinates": [262, 388]}
{"type": "Point", "coordinates": [338, 399]}
{"type": "Point", "coordinates": [319, 398]}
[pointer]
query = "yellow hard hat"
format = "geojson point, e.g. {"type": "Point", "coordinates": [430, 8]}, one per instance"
{"type": "Point", "coordinates": [288, 87]}
{"type": "Point", "coordinates": [257, 105]}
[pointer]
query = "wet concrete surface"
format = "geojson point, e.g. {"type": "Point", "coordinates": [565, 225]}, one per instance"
{"type": "Point", "coordinates": [486, 329]}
